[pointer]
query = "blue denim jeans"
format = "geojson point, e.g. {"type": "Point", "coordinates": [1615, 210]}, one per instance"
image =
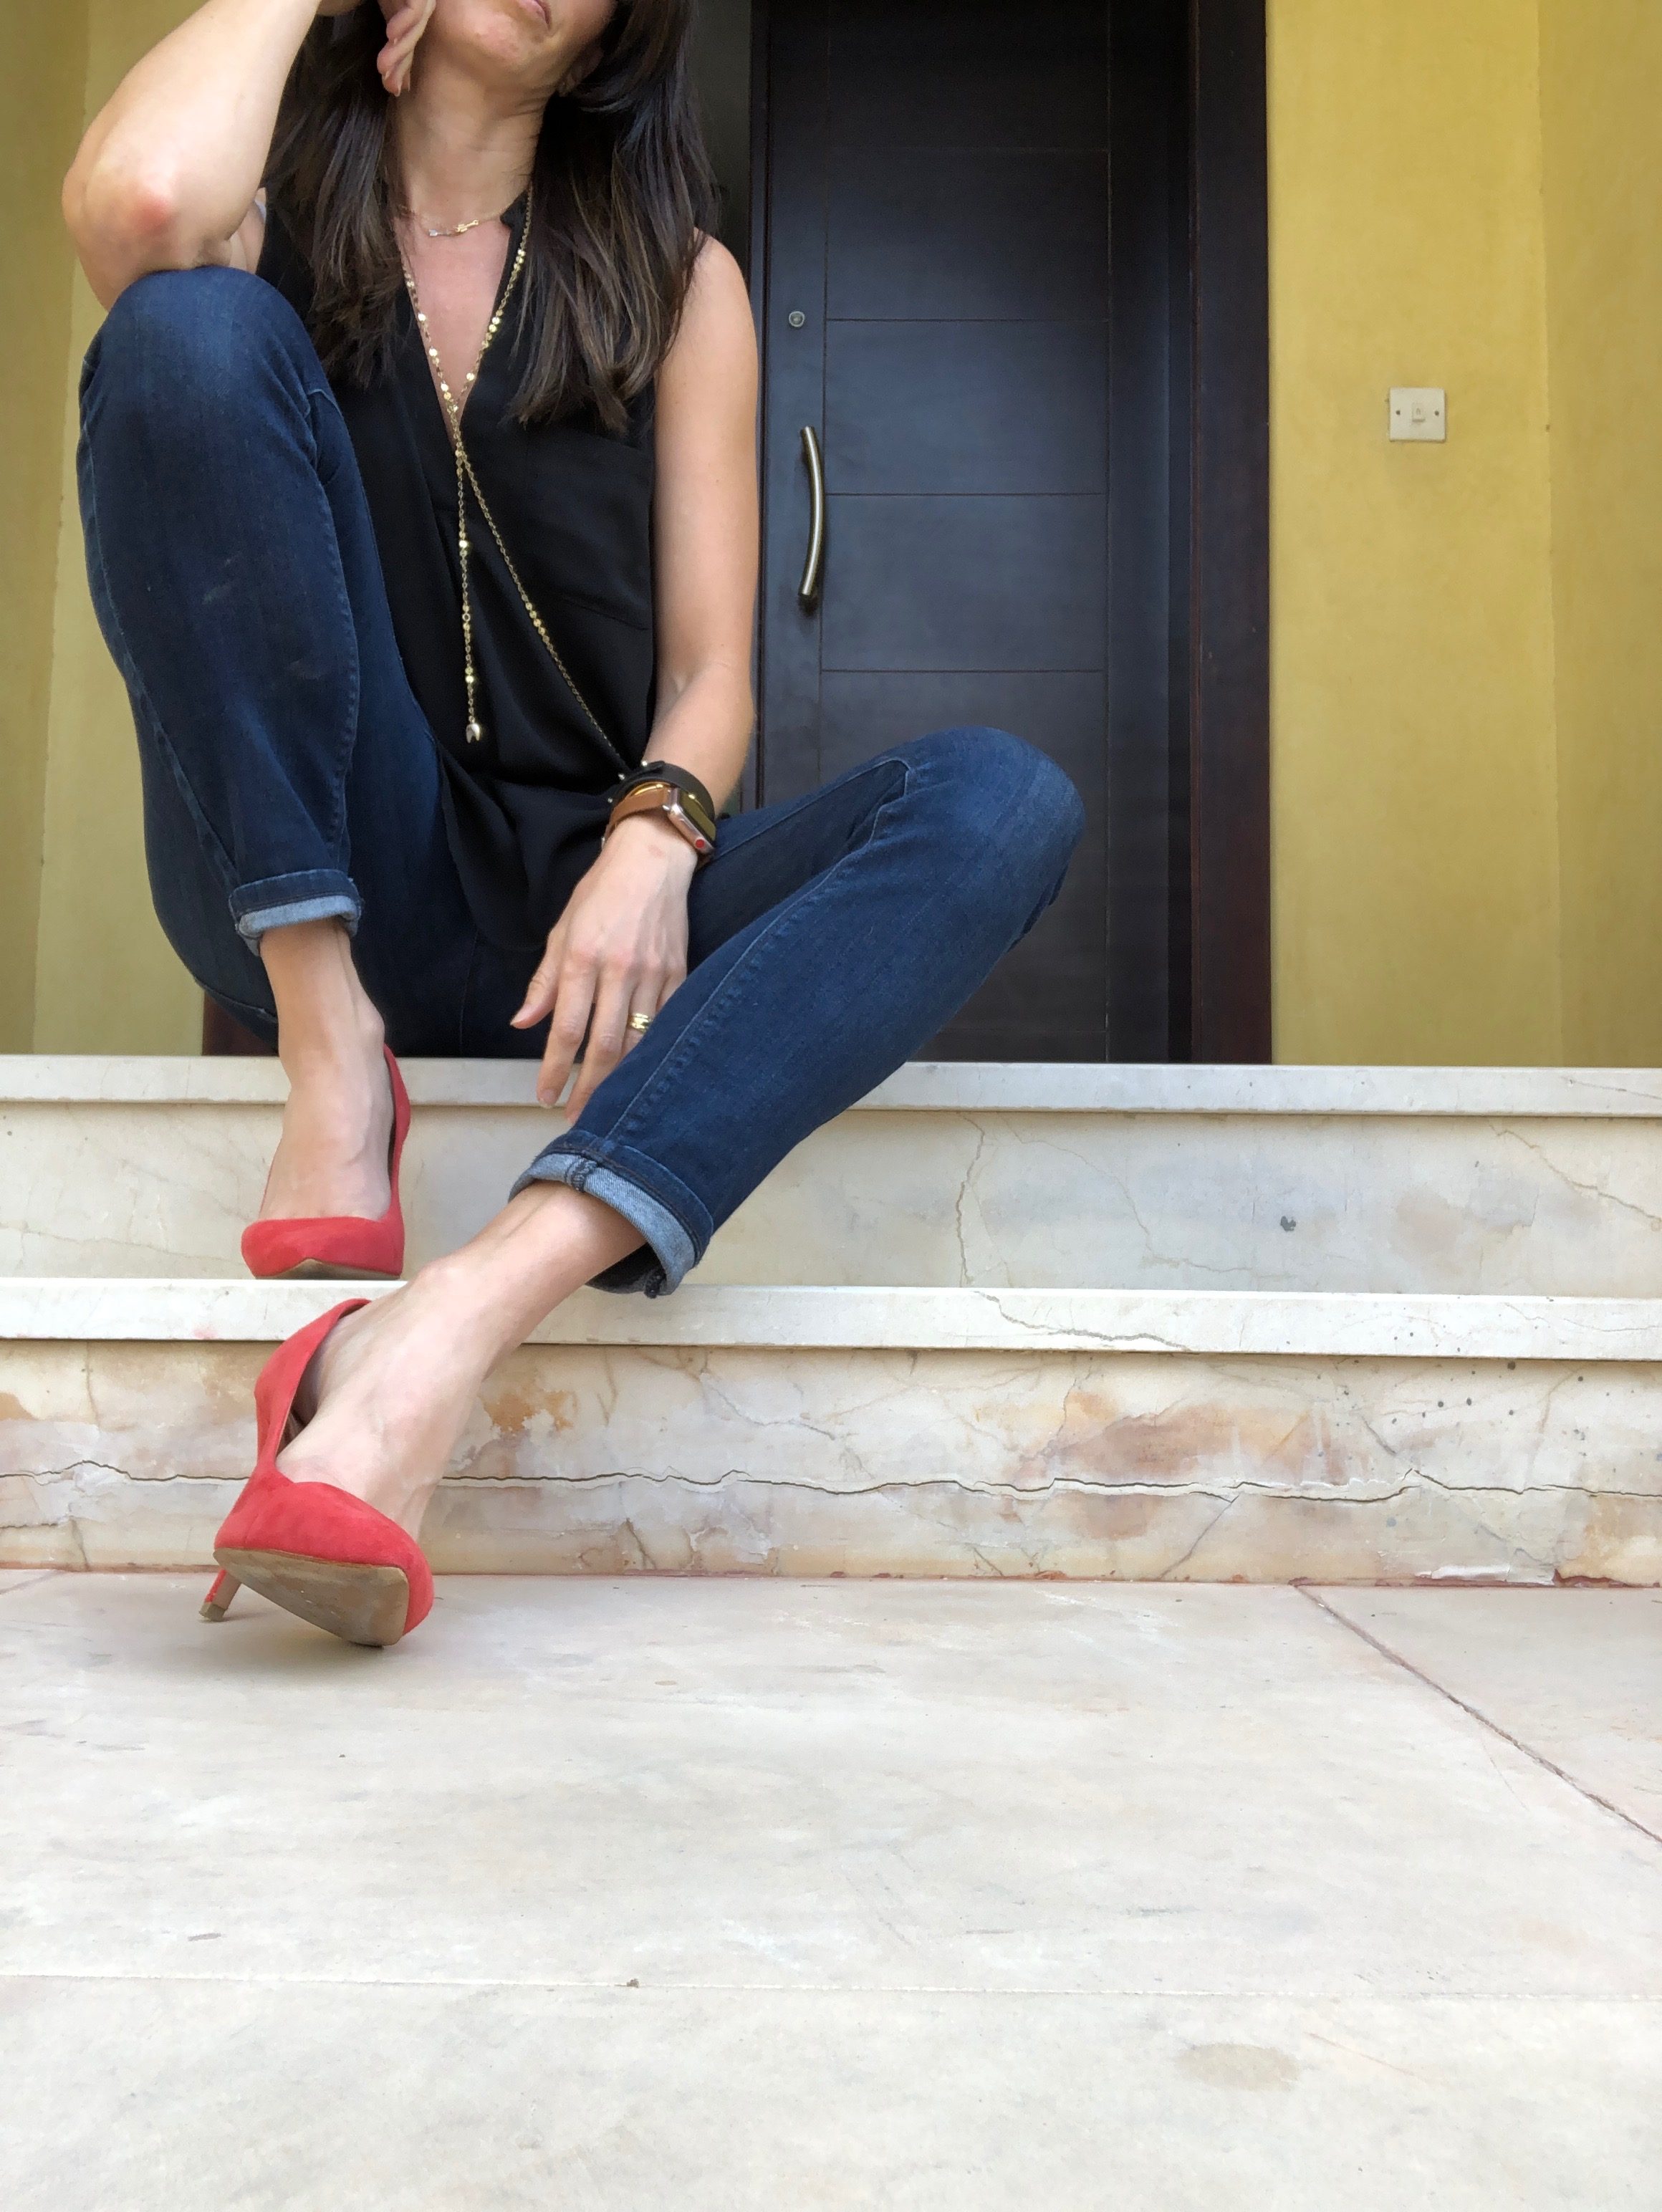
{"type": "Point", "coordinates": [288, 775]}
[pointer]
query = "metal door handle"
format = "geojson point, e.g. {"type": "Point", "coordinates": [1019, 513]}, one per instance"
{"type": "Point", "coordinates": [807, 592]}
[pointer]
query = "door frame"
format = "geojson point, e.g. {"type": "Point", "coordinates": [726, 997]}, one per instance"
{"type": "Point", "coordinates": [1220, 923]}
{"type": "Point", "coordinates": [1229, 532]}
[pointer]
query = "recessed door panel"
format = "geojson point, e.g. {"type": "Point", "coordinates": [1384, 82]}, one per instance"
{"type": "Point", "coordinates": [966, 407]}
{"type": "Point", "coordinates": [917, 581]}
{"type": "Point", "coordinates": [956, 232]}
{"type": "Point", "coordinates": [985, 76]}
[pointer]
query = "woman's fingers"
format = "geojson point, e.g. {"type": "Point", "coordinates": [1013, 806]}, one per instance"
{"type": "Point", "coordinates": [544, 987]}
{"type": "Point", "coordinates": [396, 64]}
{"type": "Point", "coordinates": [643, 1012]}
{"type": "Point", "coordinates": [572, 1007]}
{"type": "Point", "coordinates": [405, 27]}
{"type": "Point", "coordinates": [408, 21]}
{"type": "Point", "coordinates": [652, 995]}
{"type": "Point", "coordinates": [608, 1030]}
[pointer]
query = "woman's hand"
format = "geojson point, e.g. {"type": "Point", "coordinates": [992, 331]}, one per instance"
{"type": "Point", "coordinates": [620, 948]}
{"type": "Point", "coordinates": [405, 22]}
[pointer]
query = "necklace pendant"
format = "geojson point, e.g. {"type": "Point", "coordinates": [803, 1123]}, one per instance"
{"type": "Point", "coordinates": [476, 733]}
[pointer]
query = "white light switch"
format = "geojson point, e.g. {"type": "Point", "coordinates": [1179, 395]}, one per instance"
{"type": "Point", "coordinates": [1419, 412]}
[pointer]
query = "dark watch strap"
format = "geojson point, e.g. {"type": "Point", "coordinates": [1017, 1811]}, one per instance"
{"type": "Point", "coordinates": [694, 797]}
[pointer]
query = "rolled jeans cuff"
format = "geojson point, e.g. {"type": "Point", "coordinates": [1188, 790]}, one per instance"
{"type": "Point", "coordinates": [279, 902]}
{"type": "Point", "coordinates": [676, 1227]}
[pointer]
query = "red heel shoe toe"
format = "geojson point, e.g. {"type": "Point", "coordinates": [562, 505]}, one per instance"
{"type": "Point", "coordinates": [316, 1551]}
{"type": "Point", "coordinates": [349, 1245]}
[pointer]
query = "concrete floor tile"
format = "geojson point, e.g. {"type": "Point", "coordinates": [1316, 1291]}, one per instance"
{"type": "Point", "coordinates": [924, 1787]}
{"type": "Point", "coordinates": [13, 1579]}
{"type": "Point", "coordinates": [1575, 1674]}
{"type": "Point", "coordinates": [239, 2098]}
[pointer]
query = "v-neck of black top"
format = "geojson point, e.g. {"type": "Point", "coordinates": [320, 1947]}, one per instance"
{"type": "Point", "coordinates": [524, 809]}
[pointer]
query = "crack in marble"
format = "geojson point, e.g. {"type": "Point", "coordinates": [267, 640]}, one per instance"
{"type": "Point", "coordinates": [1167, 1572]}
{"type": "Point", "coordinates": [88, 1465]}
{"type": "Point", "coordinates": [1143, 1341]}
{"type": "Point", "coordinates": [965, 1181]}
{"type": "Point", "coordinates": [1351, 1494]}
{"type": "Point", "coordinates": [1100, 1174]}
{"type": "Point", "coordinates": [1239, 1272]}
{"type": "Point", "coordinates": [1601, 1192]}
{"type": "Point", "coordinates": [1066, 1485]}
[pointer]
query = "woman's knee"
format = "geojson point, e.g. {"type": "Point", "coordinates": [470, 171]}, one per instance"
{"type": "Point", "coordinates": [187, 340]}
{"type": "Point", "coordinates": [1009, 790]}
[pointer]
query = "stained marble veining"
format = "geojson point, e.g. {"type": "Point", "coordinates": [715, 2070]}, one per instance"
{"type": "Point", "coordinates": [952, 1196]}
{"type": "Point", "coordinates": [733, 1459]}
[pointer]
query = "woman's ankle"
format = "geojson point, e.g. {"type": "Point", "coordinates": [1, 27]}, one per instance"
{"type": "Point", "coordinates": [350, 1065]}
{"type": "Point", "coordinates": [336, 1124]}
{"type": "Point", "coordinates": [327, 1024]}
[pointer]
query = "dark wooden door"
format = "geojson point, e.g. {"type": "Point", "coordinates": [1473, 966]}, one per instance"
{"type": "Point", "coordinates": [939, 288]}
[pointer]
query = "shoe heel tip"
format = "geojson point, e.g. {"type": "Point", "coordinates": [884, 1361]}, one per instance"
{"type": "Point", "coordinates": [218, 1602]}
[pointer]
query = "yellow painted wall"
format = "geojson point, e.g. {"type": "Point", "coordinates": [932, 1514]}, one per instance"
{"type": "Point", "coordinates": [105, 978]}
{"type": "Point", "coordinates": [1467, 683]}
{"type": "Point", "coordinates": [1601, 107]}
{"type": "Point", "coordinates": [42, 74]}
{"type": "Point", "coordinates": [1416, 860]}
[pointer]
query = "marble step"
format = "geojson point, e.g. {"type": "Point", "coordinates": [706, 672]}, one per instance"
{"type": "Point", "coordinates": [1532, 1181]}
{"type": "Point", "coordinates": [1188, 1435]}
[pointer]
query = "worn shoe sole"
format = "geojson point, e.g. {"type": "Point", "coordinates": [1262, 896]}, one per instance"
{"type": "Point", "coordinates": [328, 1271]}
{"type": "Point", "coordinates": [361, 1605]}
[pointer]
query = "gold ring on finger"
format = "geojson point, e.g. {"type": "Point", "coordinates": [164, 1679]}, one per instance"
{"type": "Point", "coordinates": [641, 1022]}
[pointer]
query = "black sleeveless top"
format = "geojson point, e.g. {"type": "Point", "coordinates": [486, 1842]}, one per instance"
{"type": "Point", "coordinates": [524, 809]}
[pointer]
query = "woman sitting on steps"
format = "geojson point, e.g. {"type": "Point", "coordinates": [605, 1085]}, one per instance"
{"type": "Point", "coordinates": [417, 474]}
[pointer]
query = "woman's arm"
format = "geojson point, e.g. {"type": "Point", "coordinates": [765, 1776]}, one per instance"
{"type": "Point", "coordinates": [167, 173]}
{"type": "Point", "coordinates": [620, 946]}
{"type": "Point", "coordinates": [706, 530]}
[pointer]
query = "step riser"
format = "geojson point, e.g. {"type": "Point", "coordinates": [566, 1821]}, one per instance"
{"type": "Point", "coordinates": [1083, 1200]}
{"type": "Point", "coordinates": [1134, 1465]}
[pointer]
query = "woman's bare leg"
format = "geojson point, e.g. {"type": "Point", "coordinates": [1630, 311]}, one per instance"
{"type": "Point", "coordinates": [337, 1124]}
{"type": "Point", "coordinates": [396, 1382]}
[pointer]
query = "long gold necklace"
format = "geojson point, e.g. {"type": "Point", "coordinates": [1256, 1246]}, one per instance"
{"type": "Point", "coordinates": [466, 480]}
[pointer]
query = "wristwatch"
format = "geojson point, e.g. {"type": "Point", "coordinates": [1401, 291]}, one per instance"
{"type": "Point", "coordinates": [661, 788]}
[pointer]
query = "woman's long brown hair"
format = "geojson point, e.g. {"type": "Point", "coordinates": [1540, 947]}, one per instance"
{"type": "Point", "coordinates": [622, 190]}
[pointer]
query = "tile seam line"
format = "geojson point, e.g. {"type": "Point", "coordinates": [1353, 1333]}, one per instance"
{"type": "Point", "coordinates": [841, 1989]}
{"type": "Point", "coordinates": [1474, 1712]}
{"type": "Point", "coordinates": [39, 1574]}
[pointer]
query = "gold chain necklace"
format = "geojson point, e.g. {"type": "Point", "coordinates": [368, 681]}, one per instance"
{"type": "Point", "coordinates": [466, 480]}
{"type": "Point", "coordinates": [442, 230]}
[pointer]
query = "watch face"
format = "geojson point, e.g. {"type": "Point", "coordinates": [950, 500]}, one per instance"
{"type": "Point", "coordinates": [684, 823]}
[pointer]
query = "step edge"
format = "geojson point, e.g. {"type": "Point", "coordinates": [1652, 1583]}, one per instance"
{"type": "Point", "coordinates": [1270, 1324]}
{"type": "Point", "coordinates": [923, 1086]}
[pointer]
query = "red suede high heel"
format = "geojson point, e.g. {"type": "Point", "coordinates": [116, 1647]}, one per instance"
{"type": "Point", "coordinates": [338, 1244]}
{"type": "Point", "coordinates": [317, 1551]}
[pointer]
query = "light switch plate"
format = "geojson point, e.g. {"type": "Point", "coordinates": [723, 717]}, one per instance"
{"type": "Point", "coordinates": [1419, 410]}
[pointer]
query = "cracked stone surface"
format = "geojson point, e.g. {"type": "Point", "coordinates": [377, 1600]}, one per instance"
{"type": "Point", "coordinates": [589, 1459]}
{"type": "Point", "coordinates": [1579, 1677]}
{"type": "Point", "coordinates": [600, 1895]}
{"type": "Point", "coordinates": [1564, 1204]}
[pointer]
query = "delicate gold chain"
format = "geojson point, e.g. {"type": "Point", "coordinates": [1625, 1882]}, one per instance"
{"type": "Point", "coordinates": [464, 479]}
{"type": "Point", "coordinates": [458, 230]}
